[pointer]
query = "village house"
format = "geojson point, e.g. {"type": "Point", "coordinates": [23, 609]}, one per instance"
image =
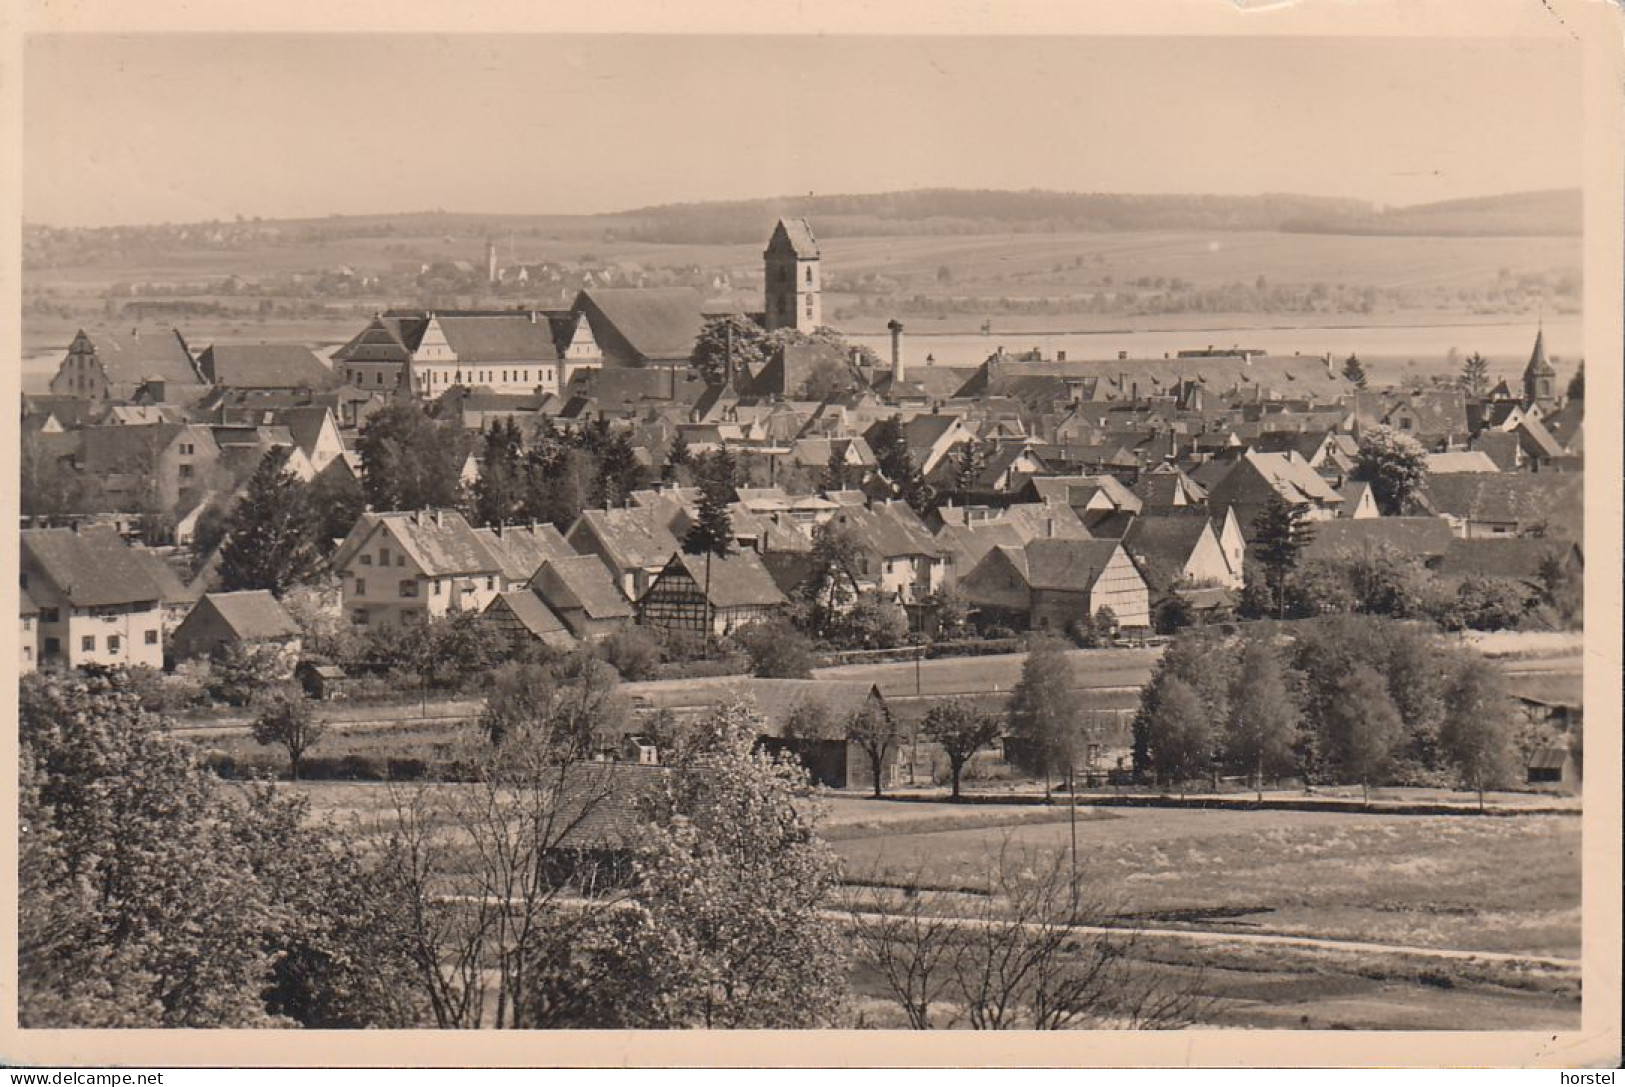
{"type": "Point", "coordinates": [97, 600]}
{"type": "Point", "coordinates": [803, 717]}
{"type": "Point", "coordinates": [1249, 484]}
{"type": "Point", "coordinates": [741, 592]}
{"type": "Point", "coordinates": [1050, 584]}
{"type": "Point", "coordinates": [399, 569]}
{"type": "Point", "coordinates": [897, 556]}
{"type": "Point", "coordinates": [521, 550]}
{"type": "Point", "coordinates": [251, 618]}
{"type": "Point", "coordinates": [581, 593]}
{"type": "Point", "coordinates": [1179, 550]}
{"type": "Point", "coordinates": [633, 544]}
{"type": "Point", "coordinates": [111, 365]}
{"type": "Point", "coordinates": [524, 620]}
{"type": "Point", "coordinates": [271, 366]}
{"type": "Point", "coordinates": [142, 468]}
{"type": "Point", "coordinates": [1509, 504]}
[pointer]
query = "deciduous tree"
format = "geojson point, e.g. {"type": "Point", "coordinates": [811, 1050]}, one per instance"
{"type": "Point", "coordinates": [962, 730]}
{"type": "Point", "coordinates": [287, 720]}
{"type": "Point", "coordinates": [1395, 464]}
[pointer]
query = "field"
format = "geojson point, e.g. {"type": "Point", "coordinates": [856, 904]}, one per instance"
{"type": "Point", "coordinates": [1204, 881]}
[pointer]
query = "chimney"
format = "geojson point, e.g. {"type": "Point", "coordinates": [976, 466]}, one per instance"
{"type": "Point", "coordinates": [895, 327]}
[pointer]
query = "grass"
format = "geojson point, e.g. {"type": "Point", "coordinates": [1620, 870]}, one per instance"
{"type": "Point", "coordinates": [1406, 880]}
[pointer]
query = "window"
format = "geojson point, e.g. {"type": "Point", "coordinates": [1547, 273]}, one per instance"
{"type": "Point", "coordinates": [186, 471]}
{"type": "Point", "coordinates": [50, 615]}
{"type": "Point", "coordinates": [360, 586]}
{"type": "Point", "coordinates": [359, 616]}
{"type": "Point", "coordinates": [53, 646]}
{"type": "Point", "coordinates": [437, 586]}
{"type": "Point", "coordinates": [187, 449]}
{"type": "Point", "coordinates": [113, 643]}
{"type": "Point", "coordinates": [400, 560]}
{"type": "Point", "coordinates": [490, 583]}
{"type": "Point", "coordinates": [88, 643]}
{"type": "Point", "coordinates": [28, 622]}
{"type": "Point", "coordinates": [383, 556]}
{"type": "Point", "coordinates": [152, 637]}
{"type": "Point", "coordinates": [809, 275]}
{"type": "Point", "coordinates": [409, 588]}
{"type": "Point", "coordinates": [366, 560]}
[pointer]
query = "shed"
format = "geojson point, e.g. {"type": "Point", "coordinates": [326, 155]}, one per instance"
{"type": "Point", "coordinates": [1551, 765]}
{"type": "Point", "coordinates": [320, 681]}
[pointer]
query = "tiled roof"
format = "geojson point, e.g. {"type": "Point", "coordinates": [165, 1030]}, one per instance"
{"type": "Point", "coordinates": [1417, 537]}
{"type": "Point", "coordinates": [580, 583]}
{"type": "Point", "coordinates": [738, 580]}
{"type": "Point", "coordinates": [775, 699]}
{"type": "Point", "coordinates": [113, 448]}
{"type": "Point", "coordinates": [1068, 565]}
{"type": "Point", "coordinates": [440, 542]}
{"type": "Point", "coordinates": [532, 612]}
{"type": "Point", "coordinates": [659, 324]}
{"type": "Point", "coordinates": [1164, 544]}
{"type": "Point", "coordinates": [129, 359]}
{"type": "Point", "coordinates": [264, 366]}
{"type": "Point", "coordinates": [888, 530]}
{"type": "Point", "coordinates": [92, 567]}
{"type": "Point", "coordinates": [797, 233]}
{"type": "Point", "coordinates": [636, 537]}
{"type": "Point", "coordinates": [1508, 497]}
{"type": "Point", "coordinates": [252, 615]}
{"type": "Point", "coordinates": [521, 549]}
{"type": "Point", "coordinates": [1515, 558]}
{"type": "Point", "coordinates": [1444, 464]}
{"type": "Point", "coordinates": [498, 338]}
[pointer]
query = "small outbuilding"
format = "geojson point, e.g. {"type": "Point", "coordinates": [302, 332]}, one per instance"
{"type": "Point", "coordinates": [220, 620]}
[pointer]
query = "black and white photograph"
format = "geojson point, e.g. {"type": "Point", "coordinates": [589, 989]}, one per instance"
{"type": "Point", "coordinates": [869, 532]}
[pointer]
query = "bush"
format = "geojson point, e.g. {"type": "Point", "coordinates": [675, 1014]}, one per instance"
{"type": "Point", "coordinates": [777, 651]}
{"type": "Point", "coordinates": [633, 652]}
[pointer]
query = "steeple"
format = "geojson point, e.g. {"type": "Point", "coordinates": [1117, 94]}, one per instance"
{"type": "Point", "coordinates": [1539, 379]}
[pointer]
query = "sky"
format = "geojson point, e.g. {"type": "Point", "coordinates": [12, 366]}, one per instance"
{"type": "Point", "coordinates": [179, 128]}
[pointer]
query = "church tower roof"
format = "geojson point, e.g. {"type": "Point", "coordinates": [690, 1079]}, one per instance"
{"type": "Point", "coordinates": [1537, 358]}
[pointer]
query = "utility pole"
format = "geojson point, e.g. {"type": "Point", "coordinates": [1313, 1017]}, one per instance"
{"type": "Point", "coordinates": [1072, 797]}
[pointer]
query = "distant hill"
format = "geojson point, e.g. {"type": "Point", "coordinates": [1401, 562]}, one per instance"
{"type": "Point", "coordinates": [970, 211]}
{"type": "Point", "coordinates": [917, 212]}
{"type": "Point", "coordinates": [1546, 212]}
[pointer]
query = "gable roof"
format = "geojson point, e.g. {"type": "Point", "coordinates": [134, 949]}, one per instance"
{"type": "Point", "coordinates": [263, 366]}
{"type": "Point", "coordinates": [636, 537]}
{"type": "Point", "coordinates": [1461, 460]}
{"type": "Point", "coordinates": [738, 580]}
{"type": "Point", "coordinates": [1066, 565]}
{"type": "Point", "coordinates": [92, 567]}
{"type": "Point", "coordinates": [1518, 558]}
{"type": "Point", "coordinates": [581, 584]}
{"type": "Point", "coordinates": [441, 542]}
{"type": "Point", "coordinates": [130, 358]}
{"type": "Point", "coordinates": [521, 549]}
{"type": "Point", "coordinates": [886, 529]}
{"type": "Point", "coordinates": [252, 615]}
{"type": "Point", "coordinates": [1417, 537]}
{"type": "Point", "coordinates": [658, 324]}
{"type": "Point", "coordinates": [1164, 544]}
{"type": "Point", "coordinates": [520, 336]}
{"type": "Point", "coordinates": [531, 611]}
{"type": "Point", "coordinates": [1512, 497]}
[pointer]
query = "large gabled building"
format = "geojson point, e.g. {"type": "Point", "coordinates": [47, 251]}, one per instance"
{"type": "Point", "coordinates": [426, 353]}
{"type": "Point", "coordinates": [107, 365]}
{"type": "Point", "coordinates": [399, 569]}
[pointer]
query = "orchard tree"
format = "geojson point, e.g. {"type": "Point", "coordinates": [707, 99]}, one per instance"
{"type": "Point", "coordinates": [287, 720]}
{"type": "Point", "coordinates": [728, 925]}
{"type": "Point", "coordinates": [962, 730]}
{"type": "Point", "coordinates": [271, 537]}
{"type": "Point", "coordinates": [831, 585]}
{"type": "Point", "coordinates": [875, 731]}
{"type": "Point", "coordinates": [777, 650]}
{"type": "Point", "coordinates": [1395, 464]}
{"type": "Point", "coordinates": [1577, 383]}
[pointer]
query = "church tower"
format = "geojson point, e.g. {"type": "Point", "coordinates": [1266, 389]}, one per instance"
{"type": "Point", "coordinates": [794, 282]}
{"type": "Point", "coordinates": [1539, 379]}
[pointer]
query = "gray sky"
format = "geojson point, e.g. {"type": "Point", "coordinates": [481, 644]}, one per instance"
{"type": "Point", "coordinates": [174, 128]}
